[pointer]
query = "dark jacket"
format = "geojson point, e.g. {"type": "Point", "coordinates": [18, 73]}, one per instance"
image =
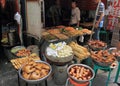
{"type": "Point", "coordinates": [7, 13]}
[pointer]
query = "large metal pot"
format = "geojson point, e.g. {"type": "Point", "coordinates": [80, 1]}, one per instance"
{"type": "Point", "coordinates": [35, 81]}
{"type": "Point", "coordinates": [59, 61]}
{"type": "Point", "coordinates": [80, 81]}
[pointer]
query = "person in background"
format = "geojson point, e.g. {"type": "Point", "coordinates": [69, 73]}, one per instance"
{"type": "Point", "coordinates": [8, 9]}
{"type": "Point", "coordinates": [99, 19]}
{"type": "Point", "coordinates": [55, 14]}
{"type": "Point", "coordinates": [75, 14]}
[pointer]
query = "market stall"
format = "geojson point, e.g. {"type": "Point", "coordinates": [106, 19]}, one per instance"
{"type": "Point", "coordinates": [59, 57]}
{"type": "Point", "coordinates": [61, 53]}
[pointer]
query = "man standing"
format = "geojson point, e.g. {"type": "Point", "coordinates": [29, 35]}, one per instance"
{"type": "Point", "coordinates": [99, 19]}
{"type": "Point", "coordinates": [55, 14]}
{"type": "Point", "coordinates": [75, 15]}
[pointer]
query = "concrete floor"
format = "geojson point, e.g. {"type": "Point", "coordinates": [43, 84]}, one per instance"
{"type": "Point", "coordinates": [8, 76]}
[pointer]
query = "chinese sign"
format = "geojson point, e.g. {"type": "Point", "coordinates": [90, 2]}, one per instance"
{"type": "Point", "coordinates": [113, 14]}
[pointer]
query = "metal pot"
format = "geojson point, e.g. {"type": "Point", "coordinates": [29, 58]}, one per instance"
{"type": "Point", "coordinates": [38, 80]}
{"type": "Point", "coordinates": [11, 38]}
{"type": "Point", "coordinates": [80, 81]}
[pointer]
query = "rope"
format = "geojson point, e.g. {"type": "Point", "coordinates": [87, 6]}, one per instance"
{"type": "Point", "coordinates": [95, 19]}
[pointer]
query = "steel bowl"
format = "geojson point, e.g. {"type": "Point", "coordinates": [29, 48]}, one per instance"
{"type": "Point", "coordinates": [114, 48]}
{"type": "Point", "coordinates": [38, 80]}
{"type": "Point", "coordinates": [59, 61]}
{"type": "Point", "coordinates": [103, 64]}
{"type": "Point", "coordinates": [97, 49]}
{"type": "Point", "coordinates": [80, 81]}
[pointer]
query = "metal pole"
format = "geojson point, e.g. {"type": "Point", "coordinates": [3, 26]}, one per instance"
{"type": "Point", "coordinates": [95, 19]}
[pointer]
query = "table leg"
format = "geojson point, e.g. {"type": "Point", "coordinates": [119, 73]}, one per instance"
{"type": "Point", "coordinates": [18, 79]}
{"type": "Point", "coordinates": [26, 84]}
{"type": "Point", "coordinates": [46, 83]}
{"type": "Point", "coordinates": [117, 74]}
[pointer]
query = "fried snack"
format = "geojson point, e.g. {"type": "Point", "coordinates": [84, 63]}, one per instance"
{"type": "Point", "coordinates": [86, 31]}
{"type": "Point", "coordinates": [23, 52]}
{"type": "Point", "coordinates": [103, 56]}
{"type": "Point", "coordinates": [70, 29]}
{"type": "Point", "coordinates": [96, 44]}
{"type": "Point", "coordinates": [79, 51]}
{"type": "Point", "coordinates": [61, 36]}
{"type": "Point", "coordinates": [45, 33]}
{"type": "Point", "coordinates": [18, 62]}
{"type": "Point", "coordinates": [115, 52]}
{"type": "Point", "coordinates": [34, 72]}
{"type": "Point", "coordinates": [53, 31]}
{"type": "Point", "coordinates": [80, 73]}
{"type": "Point", "coordinates": [26, 75]}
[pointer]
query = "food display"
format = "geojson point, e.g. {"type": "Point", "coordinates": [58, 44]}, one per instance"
{"type": "Point", "coordinates": [23, 52]}
{"type": "Point", "coordinates": [18, 62]}
{"type": "Point", "coordinates": [50, 37]}
{"type": "Point", "coordinates": [61, 36]}
{"type": "Point", "coordinates": [86, 31]}
{"type": "Point", "coordinates": [73, 32]}
{"type": "Point", "coordinates": [102, 57]}
{"type": "Point", "coordinates": [80, 72]}
{"type": "Point", "coordinates": [17, 48]}
{"type": "Point", "coordinates": [34, 72]}
{"type": "Point", "coordinates": [59, 50]}
{"type": "Point", "coordinates": [79, 51]}
{"type": "Point", "coordinates": [96, 44]}
{"type": "Point", "coordinates": [63, 33]}
{"type": "Point", "coordinates": [115, 52]}
{"type": "Point", "coordinates": [53, 31]}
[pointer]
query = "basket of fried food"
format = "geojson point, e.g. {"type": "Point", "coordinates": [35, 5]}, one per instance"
{"type": "Point", "coordinates": [96, 45]}
{"type": "Point", "coordinates": [115, 52]}
{"type": "Point", "coordinates": [79, 51]}
{"type": "Point", "coordinates": [102, 58]}
{"type": "Point", "coordinates": [80, 73]}
{"type": "Point", "coordinates": [23, 53]}
{"type": "Point", "coordinates": [35, 72]}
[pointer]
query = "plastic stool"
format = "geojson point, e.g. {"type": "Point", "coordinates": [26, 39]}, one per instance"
{"type": "Point", "coordinates": [96, 67]}
{"type": "Point", "coordinates": [118, 72]}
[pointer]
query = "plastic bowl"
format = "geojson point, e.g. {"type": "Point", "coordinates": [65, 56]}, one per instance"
{"type": "Point", "coordinates": [35, 81]}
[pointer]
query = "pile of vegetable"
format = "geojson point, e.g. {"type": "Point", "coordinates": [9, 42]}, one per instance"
{"type": "Point", "coordinates": [59, 50]}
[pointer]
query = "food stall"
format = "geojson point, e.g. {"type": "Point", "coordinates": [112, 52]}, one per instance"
{"type": "Point", "coordinates": [59, 56]}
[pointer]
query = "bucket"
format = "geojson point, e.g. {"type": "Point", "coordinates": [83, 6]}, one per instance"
{"type": "Point", "coordinates": [70, 82]}
{"type": "Point", "coordinates": [78, 84]}
{"type": "Point", "coordinates": [11, 38]}
{"type": "Point", "coordinates": [33, 49]}
{"type": "Point", "coordinates": [60, 74]}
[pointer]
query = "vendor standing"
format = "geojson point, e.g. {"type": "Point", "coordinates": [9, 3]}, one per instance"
{"type": "Point", "coordinates": [54, 14]}
{"type": "Point", "coordinates": [99, 19]}
{"type": "Point", "coordinates": [75, 14]}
